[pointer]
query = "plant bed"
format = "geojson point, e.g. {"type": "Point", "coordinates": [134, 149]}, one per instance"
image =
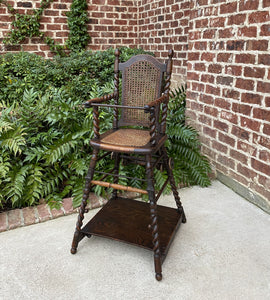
{"type": "Point", "coordinates": [45, 131]}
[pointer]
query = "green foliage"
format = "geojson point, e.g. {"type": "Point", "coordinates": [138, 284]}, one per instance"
{"type": "Point", "coordinates": [28, 26]}
{"type": "Point", "coordinates": [190, 166]}
{"type": "Point", "coordinates": [25, 25]}
{"type": "Point", "coordinates": [77, 20]}
{"type": "Point", "coordinates": [45, 131]}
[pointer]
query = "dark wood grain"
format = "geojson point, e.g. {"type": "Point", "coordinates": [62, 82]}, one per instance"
{"type": "Point", "coordinates": [128, 221]}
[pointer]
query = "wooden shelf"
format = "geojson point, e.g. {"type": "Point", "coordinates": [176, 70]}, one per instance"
{"type": "Point", "coordinates": [128, 221]}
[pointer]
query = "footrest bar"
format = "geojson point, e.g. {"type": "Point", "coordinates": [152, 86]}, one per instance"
{"type": "Point", "coordinates": [118, 186]}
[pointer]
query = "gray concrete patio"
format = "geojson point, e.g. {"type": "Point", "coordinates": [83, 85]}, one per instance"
{"type": "Point", "coordinates": [222, 252]}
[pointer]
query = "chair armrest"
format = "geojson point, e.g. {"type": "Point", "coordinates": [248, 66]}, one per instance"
{"type": "Point", "coordinates": [162, 99]}
{"type": "Point", "coordinates": [104, 98]}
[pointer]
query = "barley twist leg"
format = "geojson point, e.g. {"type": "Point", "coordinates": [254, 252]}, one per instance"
{"type": "Point", "coordinates": [154, 219]}
{"type": "Point", "coordinates": [172, 183]}
{"type": "Point", "coordinates": [78, 235]}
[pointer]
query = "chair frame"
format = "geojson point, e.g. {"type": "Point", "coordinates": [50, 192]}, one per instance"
{"type": "Point", "coordinates": [152, 155]}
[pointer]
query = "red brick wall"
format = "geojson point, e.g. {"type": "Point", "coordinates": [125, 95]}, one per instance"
{"type": "Point", "coordinates": [112, 23]}
{"type": "Point", "coordinates": [163, 25]}
{"type": "Point", "coordinates": [229, 87]}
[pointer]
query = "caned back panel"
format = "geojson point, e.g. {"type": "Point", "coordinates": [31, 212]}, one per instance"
{"type": "Point", "coordinates": [142, 77]}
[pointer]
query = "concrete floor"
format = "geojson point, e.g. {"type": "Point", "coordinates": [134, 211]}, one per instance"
{"type": "Point", "coordinates": [222, 252]}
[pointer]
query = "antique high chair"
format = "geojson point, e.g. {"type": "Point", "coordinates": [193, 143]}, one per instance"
{"type": "Point", "coordinates": [145, 96]}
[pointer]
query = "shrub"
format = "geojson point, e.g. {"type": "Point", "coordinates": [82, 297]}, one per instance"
{"type": "Point", "coordinates": [45, 131]}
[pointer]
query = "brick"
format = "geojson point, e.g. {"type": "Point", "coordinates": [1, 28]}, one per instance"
{"type": "Point", "coordinates": [259, 17]}
{"type": "Point", "coordinates": [226, 33]}
{"type": "Point", "coordinates": [199, 67]}
{"type": "Point", "coordinates": [197, 87]}
{"type": "Point", "coordinates": [247, 148]}
{"type": "Point", "coordinates": [3, 222]}
{"type": "Point", "coordinates": [251, 98]}
{"type": "Point", "coordinates": [224, 80]}
{"type": "Point", "coordinates": [14, 218]}
{"type": "Point", "coordinates": [267, 101]}
{"type": "Point", "coordinates": [242, 109]}
{"type": "Point", "coordinates": [220, 147]}
{"type": "Point", "coordinates": [224, 57]}
{"type": "Point", "coordinates": [248, 5]}
{"type": "Point", "coordinates": [223, 103]}
{"type": "Point", "coordinates": [209, 34]}
{"type": "Point", "coordinates": [212, 111]}
{"type": "Point", "coordinates": [29, 216]}
{"type": "Point", "coordinates": [43, 213]}
{"type": "Point", "coordinates": [240, 133]}
{"type": "Point", "coordinates": [216, 22]}
{"type": "Point", "coordinates": [51, 13]}
{"type": "Point", "coordinates": [238, 19]}
{"type": "Point", "coordinates": [209, 131]}
{"type": "Point", "coordinates": [265, 156]}
{"type": "Point", "coordinates": [257, 45]}
{"type": "Point", "coordinates": [213, 90]}
{"type": "Point", "coordinates": [224, 138]}
{"type": "Point", "coordinates": [193, 56]}
{"type": "Point", "coordinates": [233, 70]}
{"type": "Point", "coordinates": [263, 87]}
{"type": "Point", "coordinates": [226, 161]}
{"type": "Point", "coordinates": [221, 126]}
{"type": "Point", "coordinates": [230, 93]}
{"type": "Point", "coordinates": [266, 129]}
{"type": "Point", "coordinates": [266, 3]}
{"type": "Point", "coordinates": [250, 124]}
{"type": "Point", "coordinates": [215, 68]}
{"type": "Point", "coordinates": [264, 59]}
{"type": "Point", "coordinates": [68, 206]}
{"type": "Point", "coordinates": [208, 78]}
{"type": "Point", "coordinates": [94, 201]}
{"type": "Point", "coordinates": [254, 72]}
{"type": "Point", "coordinates": [261, 140]}
{"type": "Point", "coordinates": [264, 181]}
{"type": "Point", "coordinates": [245, 84]}
{"type": "Point", "coordinates": [216, 45]}
{"type": "Point", "coordinates": [206, 99]}
{"type": "Point", "coordinates": [228, 8]}
{"type": "Point", "coordinates": [205, 120]}
{"type": "Point", "coordinates": [260, 166]}
{"type": "Point", "coordinates": [229, 116]}
{"type": "Point", "coordinates": [265, 30]}
{"type": "Point", "coordinates": [235, 45]}
{"type": "Point", "coordinates": [247, 172]}
{"type": "Point", "coordinates": [57, 212]}
{"type": "Point", "coordinates": [245, 58]}
{"type": "Point", "coordinates": [238, 156]}
{"type": "Point", "coordinates": [24, 4]}
{"type": "Point", "coordinates": [260, 113]}
{"type": "Point", "coordinates": [247, 31]}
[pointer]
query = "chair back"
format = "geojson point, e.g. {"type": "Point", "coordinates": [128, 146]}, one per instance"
{"type": "Point", "coordinates": [144, 79]}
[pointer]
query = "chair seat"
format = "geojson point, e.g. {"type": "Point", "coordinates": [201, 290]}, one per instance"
{"type": "Point", "coordinates": [125, 139]}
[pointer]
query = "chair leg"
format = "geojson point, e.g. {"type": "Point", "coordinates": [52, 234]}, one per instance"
{"type": "Point", "coordinates": [172, 183]}
{"type": "Point", "coordinates": [116, 172]}
{"type": "Point", "coordinates": [153, 213]}
{"type": "Point", "coordinates": [78, 235]}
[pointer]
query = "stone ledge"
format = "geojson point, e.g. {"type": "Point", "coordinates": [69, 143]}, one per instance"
{"type": "Point", "coordinates": [32, 215]}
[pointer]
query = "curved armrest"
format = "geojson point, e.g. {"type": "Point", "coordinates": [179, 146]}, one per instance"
{"type": "Point", "coordinates": [162, 99]}
{"type": "Point", "coordinates": [104, 98]}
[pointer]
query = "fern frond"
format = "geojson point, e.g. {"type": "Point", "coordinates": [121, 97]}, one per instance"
{"type": "Point", "coordinates": [13, 140]}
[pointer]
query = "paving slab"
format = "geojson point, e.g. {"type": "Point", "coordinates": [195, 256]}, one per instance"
{"type": "Point", "coordinates": [222, 252]}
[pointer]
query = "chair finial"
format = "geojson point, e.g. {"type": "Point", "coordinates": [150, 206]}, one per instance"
{"type": "Point", "coordinates": [116, 52]}
{"type": "Point", "coordinates": [170, 53]}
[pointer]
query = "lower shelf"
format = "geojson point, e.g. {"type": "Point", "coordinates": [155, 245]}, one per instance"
{"type": "Point", "coordinates": [128, 221]}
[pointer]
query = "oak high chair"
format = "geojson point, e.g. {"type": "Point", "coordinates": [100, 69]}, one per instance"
{"type": "Point", "coordinates": [145, 96]}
